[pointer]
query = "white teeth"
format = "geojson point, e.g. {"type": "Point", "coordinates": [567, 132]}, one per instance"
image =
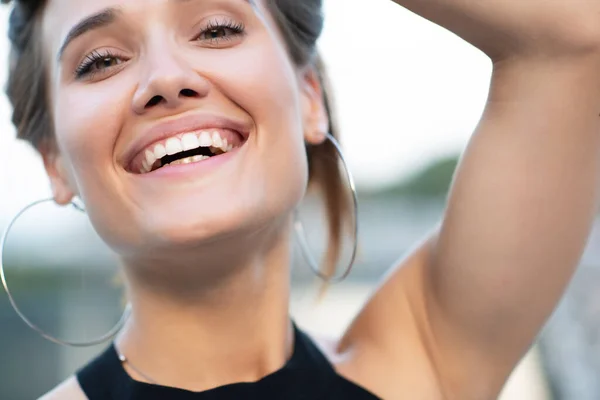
{"type": "Point", "coordinates": [205, 139]}
{"type": "Point", "coordinates": [216, 139]}
{"type": "Point", "coordinates": [189, 160]}
{"type": "Point", "coordinates": [145, 167]}
{"type": "Point", "coordinates": [190, 141]}
{"type": "Point", "coordinates": [199, 158]}
{"type": "Point", "coordinates": [150, 158]}
{"type": "Point", "coordinates": [173, 146]}
{"type": "Point", "coordinates": [160, 151]}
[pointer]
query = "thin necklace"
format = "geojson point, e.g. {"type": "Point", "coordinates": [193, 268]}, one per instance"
{"type": "Point", "coordinates": [125, 361]}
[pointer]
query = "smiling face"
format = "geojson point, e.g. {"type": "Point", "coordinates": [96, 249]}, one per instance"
{"type": "Point", "coordinates": [177, 122]}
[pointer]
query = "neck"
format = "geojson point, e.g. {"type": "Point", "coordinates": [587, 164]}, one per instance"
{"type": "Point", "coordinates": [200, 325]}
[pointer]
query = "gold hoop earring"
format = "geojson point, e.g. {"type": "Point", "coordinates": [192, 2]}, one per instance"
{"type": "Point", "coordinates": [107, 336]}
{"type": "Point", "coordinates": [301, 236]}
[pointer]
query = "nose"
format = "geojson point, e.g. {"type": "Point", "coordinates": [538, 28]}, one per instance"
{"type": "Point", "coordinates": [167, 81]}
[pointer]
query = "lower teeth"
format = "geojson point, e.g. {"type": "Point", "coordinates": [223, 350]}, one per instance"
{"type": "Point", "coordinates": [189, 160]}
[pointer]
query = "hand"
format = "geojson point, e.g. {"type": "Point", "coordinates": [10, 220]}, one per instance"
{"type": "Point", "coordinates": [507, 28]}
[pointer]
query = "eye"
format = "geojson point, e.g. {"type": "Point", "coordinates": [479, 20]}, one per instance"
{"type": "Point", "coordinates": [97, 62]}
{"type": "Point", "coordinates": [218, 31]}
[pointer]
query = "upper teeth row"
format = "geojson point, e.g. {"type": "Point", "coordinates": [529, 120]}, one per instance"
{"type": "Point", "coordinates": [188, 141]}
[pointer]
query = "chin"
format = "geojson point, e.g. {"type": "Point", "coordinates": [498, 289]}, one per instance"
{"type": "Point", "coordinates": [227, 227]}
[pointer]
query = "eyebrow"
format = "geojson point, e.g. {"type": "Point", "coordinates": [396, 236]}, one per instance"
{"type": "Point", "coordinates": [97, 20]}
{"type": "Point", "coordinates": [102, 19]}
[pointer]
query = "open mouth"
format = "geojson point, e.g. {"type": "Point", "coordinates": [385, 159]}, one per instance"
{"type": "Point", "coordinates": [188, 148]}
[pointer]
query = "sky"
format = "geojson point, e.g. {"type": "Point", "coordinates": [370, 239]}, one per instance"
{"type": "Point", "coordinates": [406, 93]}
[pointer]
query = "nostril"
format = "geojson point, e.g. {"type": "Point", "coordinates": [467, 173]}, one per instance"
{"type": "Point", "coordinates": [154, 101]}
{"type": "Point", "coordinates": [189, 93]}
{"type": "Point", "coordinates": [171, 101]}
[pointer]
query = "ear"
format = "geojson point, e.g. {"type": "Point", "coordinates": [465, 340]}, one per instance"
{"type": "Point", "coordinates": [61, 189]}
{"type": "Point", "coordinates": [316, 120]}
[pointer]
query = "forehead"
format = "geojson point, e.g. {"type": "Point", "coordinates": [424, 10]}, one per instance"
{"type": "Point", "coordinates": [75, 8]}
{"type": "Point", "coordinates": [71, 11]}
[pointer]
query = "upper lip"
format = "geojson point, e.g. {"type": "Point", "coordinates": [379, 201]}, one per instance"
{"type": "Point", "coordinates": [190, 123]}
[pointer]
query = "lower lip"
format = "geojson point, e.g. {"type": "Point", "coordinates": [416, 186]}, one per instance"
{"type": "Point", "coordinates": [201, 167]}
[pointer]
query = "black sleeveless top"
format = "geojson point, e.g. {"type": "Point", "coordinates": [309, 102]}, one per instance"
{"type": "Point", "coordinates": [308, 375]}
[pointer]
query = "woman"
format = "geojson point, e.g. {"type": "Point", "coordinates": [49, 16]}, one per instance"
{"type": "Point", "coordinates": [205, 245]}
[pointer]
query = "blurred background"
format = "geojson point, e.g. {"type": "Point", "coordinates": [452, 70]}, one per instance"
{"type": "Point", "coordinates": [408, 94]}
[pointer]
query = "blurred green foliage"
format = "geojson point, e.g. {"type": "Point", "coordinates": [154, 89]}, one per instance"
{"type": "Point", "coordinates": [433, 180]}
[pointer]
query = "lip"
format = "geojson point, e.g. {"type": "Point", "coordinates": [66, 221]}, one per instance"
{"type": "Point", "coordinates": [182, 125]}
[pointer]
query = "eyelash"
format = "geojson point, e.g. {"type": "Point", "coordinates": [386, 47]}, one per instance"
{"type": "Point", "coordinates": [237, 29]}
{"type": "Point", "coordinates": [84, 70]}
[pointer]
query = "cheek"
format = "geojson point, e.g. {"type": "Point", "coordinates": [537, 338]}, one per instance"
{"type": "Point", "coordinates": [86, 139]}
{"type": "Point", "coordinates": [87, 124]}
{"type": "Point", "coordinates": [274, 102]}
{"type": "Point", "coordinates": [263, 82]}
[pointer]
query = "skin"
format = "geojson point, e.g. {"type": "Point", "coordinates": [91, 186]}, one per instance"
{"type": "Point", "coordinates": [467, 302]}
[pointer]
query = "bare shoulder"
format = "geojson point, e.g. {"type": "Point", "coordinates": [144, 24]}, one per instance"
{"type": "Point", "coordinates": [389, 347]}
{"type": "Point", "coordinates": [68, 390]}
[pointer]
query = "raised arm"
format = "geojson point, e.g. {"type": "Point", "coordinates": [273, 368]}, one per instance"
{"type": "Point", "coordinates": [521, 206]}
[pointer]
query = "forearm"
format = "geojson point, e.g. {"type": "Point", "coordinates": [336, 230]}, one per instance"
{"type": "Point", "coordinates": [527, 28]}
